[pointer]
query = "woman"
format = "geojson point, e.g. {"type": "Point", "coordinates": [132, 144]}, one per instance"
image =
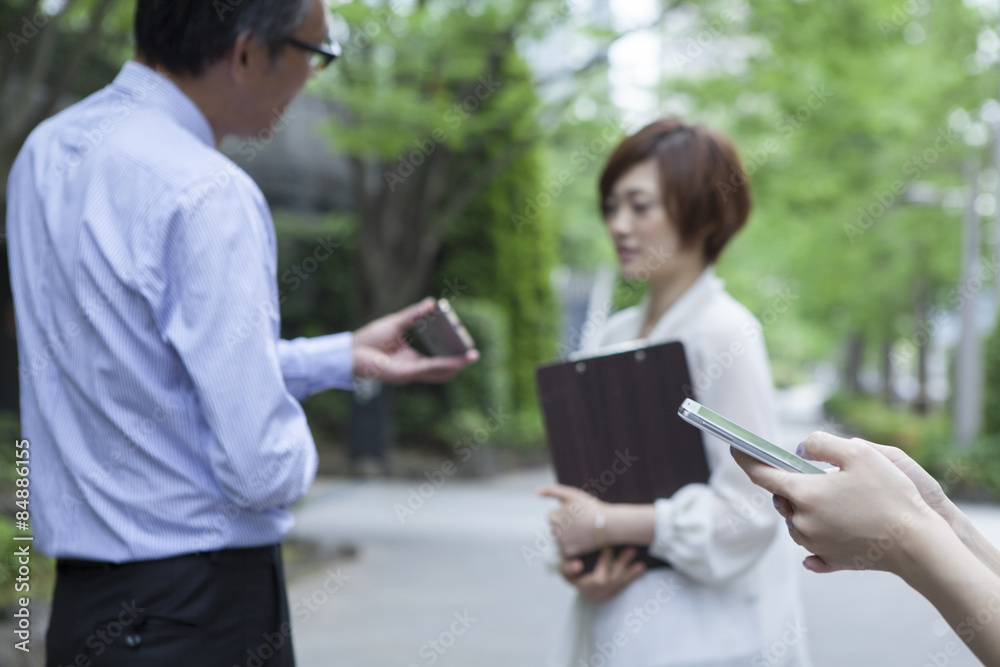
{"type": "Point", "coordinates": [673, 196]}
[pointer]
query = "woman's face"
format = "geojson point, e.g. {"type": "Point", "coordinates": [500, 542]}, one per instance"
{"type": "Point", "coordinates": [648, 244]}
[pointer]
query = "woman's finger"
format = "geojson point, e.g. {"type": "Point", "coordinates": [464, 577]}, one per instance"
{"type": "Point", "coordinates": [783, 506]}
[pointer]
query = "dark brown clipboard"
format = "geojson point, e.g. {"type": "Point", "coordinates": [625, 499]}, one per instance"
{"type": "Point", "coordinates": [602, 412]}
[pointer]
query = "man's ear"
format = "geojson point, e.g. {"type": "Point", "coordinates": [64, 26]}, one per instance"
{"type": "Point", "coordinates": [242, 57]}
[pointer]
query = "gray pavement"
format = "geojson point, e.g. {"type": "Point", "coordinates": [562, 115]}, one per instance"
{"type": "Point", "coordinates": [450, 583]}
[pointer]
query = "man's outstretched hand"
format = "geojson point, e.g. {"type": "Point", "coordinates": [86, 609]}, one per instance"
{"type": "Point", "coordinates": [381, 353]}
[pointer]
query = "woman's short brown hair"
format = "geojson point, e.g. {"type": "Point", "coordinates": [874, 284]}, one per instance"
{"type": "Point", "coordinates": [702, 182]}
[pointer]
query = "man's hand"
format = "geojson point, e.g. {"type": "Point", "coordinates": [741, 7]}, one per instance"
{"type": "Point", "coordinates": [380, 352]}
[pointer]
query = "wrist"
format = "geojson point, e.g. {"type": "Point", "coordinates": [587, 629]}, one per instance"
{"type": "Point", "coordinates": [949, 512]}
{"type": "Point", "coordinates": [920, 546]}
{"type": "Point", "coordinates": [600, 526]}
{"type": "Point", "coordinates": [629, 524]}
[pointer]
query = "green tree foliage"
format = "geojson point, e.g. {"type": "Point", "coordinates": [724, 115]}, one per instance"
{"type": "Point", "coordinates": [839, 106]}
{"type": "Point", "coordinates": [425, 91]}
{"type": "Point", "coordinates": [440, 117]}
{"type": "Point", "coordinates": [991, 407]}
{"type": "Point", "coordinates": [73, 50]}
{"type": "Point", "coordinates": [495, 252]}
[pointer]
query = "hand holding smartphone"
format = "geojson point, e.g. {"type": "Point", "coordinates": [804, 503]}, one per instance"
{"type": "Point", "coordinates": [743, 440]}
{"type": "Point", "coordinates": [440, 333]}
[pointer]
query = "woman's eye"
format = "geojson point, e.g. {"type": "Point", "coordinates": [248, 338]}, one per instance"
{"type": "Point", "coordinates": [608, 210]}
{"type": "Point", "coordinates": [640, 208]}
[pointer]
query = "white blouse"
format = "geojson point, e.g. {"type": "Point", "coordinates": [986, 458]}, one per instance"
{"type": "Point", "coordinates": [732, 596]}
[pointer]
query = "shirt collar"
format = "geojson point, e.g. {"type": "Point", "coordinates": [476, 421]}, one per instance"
{"type": "Point", "coordinates": [701, 291]}
{"type": "Point", "coordinates": [149, 86]}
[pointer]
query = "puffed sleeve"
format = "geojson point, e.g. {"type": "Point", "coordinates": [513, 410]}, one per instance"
{"type": "Point", "coordinates": [713, 532]}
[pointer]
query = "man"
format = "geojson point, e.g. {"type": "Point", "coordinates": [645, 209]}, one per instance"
{"type": "Point", "coordinates": [161, 407]}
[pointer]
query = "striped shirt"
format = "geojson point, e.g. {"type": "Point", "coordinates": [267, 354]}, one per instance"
{"type": "Point", "coordinates": [161, 405]}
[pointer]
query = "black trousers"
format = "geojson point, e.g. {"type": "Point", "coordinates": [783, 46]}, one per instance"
{"type": "Point", "coordinates": [224, 608]}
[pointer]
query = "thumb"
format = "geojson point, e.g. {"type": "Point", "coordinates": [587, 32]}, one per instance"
{"type": "Point", "coordinates": [413, 314]}
{"type": "Point", "coordinates": [826, 447]}
{"type": "Point", "coordinates": [559, 492]}
{"type": "Point", "coordinates": [819, 566]}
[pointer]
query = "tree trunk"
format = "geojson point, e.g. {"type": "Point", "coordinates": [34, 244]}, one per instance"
{"type": "Point", "coordinates": [922, 403]}
{"type": "Point", "coordinates": [852, 368]}
{"type": "Point", "coordinates": [888, 377]}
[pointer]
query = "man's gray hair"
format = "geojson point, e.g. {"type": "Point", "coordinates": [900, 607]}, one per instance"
{"type": "Point", "coordinates": [186, 36]}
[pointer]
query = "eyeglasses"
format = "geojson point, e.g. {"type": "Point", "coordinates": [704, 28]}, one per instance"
{"type": "Point", "coordinates": [321, 57]}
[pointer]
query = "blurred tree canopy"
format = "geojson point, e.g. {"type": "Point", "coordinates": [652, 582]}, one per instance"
{"type": "Point", "coordinates": [843, 111]}
{"type": "Point", "coordinates": [474, 166]}
{"type": "Point", "coordinates": [53, 53]}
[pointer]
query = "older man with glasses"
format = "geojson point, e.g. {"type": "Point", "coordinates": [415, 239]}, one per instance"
{"type": "Point", "coordinates": [161, 405]}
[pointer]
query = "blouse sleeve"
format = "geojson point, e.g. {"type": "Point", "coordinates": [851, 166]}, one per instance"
{"type": "Point", "coordinates": [713, 532]}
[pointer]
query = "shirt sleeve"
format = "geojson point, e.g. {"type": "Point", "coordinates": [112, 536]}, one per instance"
{"type": "Point", "coordinates": [312, 365]}
{"type": "Point", "coordinates": [211, 269]}
{"type": "Point", "coordinates": [713, 532]}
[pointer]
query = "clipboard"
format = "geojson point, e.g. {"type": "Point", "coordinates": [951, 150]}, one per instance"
{"type": "Point", "coordinates": [613, 428]}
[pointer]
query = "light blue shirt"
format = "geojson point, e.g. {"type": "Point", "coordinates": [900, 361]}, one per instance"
{"type": "Point", "coordinates": [161, 404]}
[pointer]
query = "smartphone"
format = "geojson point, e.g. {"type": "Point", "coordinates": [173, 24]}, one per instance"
{"type": "Point", "coordinates": [440, 333]}
{"type": "Point", "coordinates": [743, 440]}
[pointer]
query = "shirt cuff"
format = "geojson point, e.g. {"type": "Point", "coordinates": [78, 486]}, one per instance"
{"type": "Point", "coordinates": [312, 365]}
{"type": "Point", "coordinates": [683, 526]}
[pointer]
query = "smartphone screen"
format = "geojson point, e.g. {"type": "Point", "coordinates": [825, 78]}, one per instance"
{"type": "Point", "coordinates": [744, 440]}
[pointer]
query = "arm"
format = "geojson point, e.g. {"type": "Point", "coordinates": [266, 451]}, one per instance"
{"type": "Point", "coordinates": [209, 272]}
{"type": "Point", "coordinates": [377, 351]}
{"type": "Point", "coordinates": [960, 586]}
{"type": "Point", "coordinates": [716, 531]}
{"type": "Point", "coordinates": [839, 516]}
{"type": "Point", "coordinates": [934, 496]}
{"type": "Point", "coordinates": [311, 365]}
{"type": "Point", "coordinates": [710, 532]}
{"type": "Point", "coordinates": [575, 525]}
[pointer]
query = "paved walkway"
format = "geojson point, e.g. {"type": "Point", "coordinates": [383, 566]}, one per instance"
{"type": "Point", "coordinates": [449, 583]}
